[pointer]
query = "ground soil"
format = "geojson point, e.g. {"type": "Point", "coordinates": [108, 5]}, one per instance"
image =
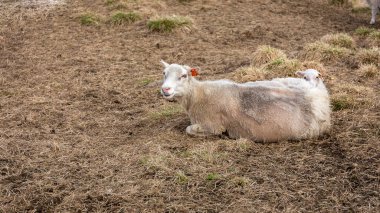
{"type": "Point", "coordinates": [80, 128]}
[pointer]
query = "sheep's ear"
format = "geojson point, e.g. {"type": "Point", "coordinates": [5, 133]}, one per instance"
{"type": "Point", "coordinates": [193, 71]}
{"type": "Point", "coordinates": [164, 63]}
{"type": "Point", "coordinates": [300, 73]}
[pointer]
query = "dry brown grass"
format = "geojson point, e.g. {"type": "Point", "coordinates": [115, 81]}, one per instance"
{"type": "Point", "coordinates": [369, 71]}
{"type": "Point", "coordinates": [265, 54]}
{"type": "Point", "coordinates": [249, 73]}
{"type": "Point", "coordinates": [271, 63]}
{"type": "Point", "coordinates": [321, 51]}
{"type": "Point", "coordinates": [339, 40]}
{"type": "Point", "coordinates": [83, 127]}
{"type": "Point", "coordinates": [351, 96]}
{"type": "Point", "coordinates": [170, 23]}
{"type": "Point", "coordinates": [369, 56]}
{"type": "Point", "coordinates": [314, 65]}
{"type": "Point", "coordinates": [374, 38]}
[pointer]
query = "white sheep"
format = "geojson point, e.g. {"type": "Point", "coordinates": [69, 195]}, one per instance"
{"type": "Point", "coordinates": [374, 4]}
{"type": "Point", "coordinates": [310, 78]}
{"type": "Point", "coordinates": [262, 111]}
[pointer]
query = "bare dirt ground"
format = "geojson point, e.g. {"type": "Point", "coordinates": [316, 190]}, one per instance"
{"type": "Point", "coordinates": [83, 127]}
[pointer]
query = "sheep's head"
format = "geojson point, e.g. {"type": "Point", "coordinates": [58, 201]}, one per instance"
{"type": "Point", "coordinates": [176, 80]}
{"type": "Point", "coordinates": [311, 75]}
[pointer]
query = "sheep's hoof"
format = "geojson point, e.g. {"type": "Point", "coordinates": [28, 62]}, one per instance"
{"type": "Point", "coordinates": [372, 22]}
{"type": "Point", "coordinates": [197, 131]}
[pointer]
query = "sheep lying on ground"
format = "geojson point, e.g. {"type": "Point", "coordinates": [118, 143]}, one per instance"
{"type": "Point", "coordinates": [374, 4]}
{"type": "Point", "coordinates": [262, 111]}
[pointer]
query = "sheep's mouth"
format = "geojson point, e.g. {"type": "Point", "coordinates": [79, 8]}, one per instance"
{"type": "Point", "coordinates": [168, 96]}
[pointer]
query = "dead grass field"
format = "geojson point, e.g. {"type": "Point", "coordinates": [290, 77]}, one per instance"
{"type": "Point", "coordinates": [83, 127]}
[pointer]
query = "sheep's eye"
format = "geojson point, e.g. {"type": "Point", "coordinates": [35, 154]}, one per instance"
{"type": "Point", "coordinates": [163, 73]}
{"type": "Point", "coordinates": [183, 76]}
{"type": "Point", "coordinates": [305, 78]}
{"type": "Point", "coordinates": [317, 77]}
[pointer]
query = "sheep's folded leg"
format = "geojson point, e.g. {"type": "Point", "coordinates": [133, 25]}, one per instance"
{"type": "Point", "coordinates": [197, 130]}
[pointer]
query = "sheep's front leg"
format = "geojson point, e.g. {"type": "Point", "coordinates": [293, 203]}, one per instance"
{"type": "Point", "coordinates": [197, 130]}
{"type": "Point", "coordinates": [374, 12]}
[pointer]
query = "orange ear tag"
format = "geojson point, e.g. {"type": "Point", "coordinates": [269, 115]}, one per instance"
{"type": "Point", "coordinates": [194, 72]}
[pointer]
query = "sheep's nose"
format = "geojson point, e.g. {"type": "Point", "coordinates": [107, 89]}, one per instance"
{"type": "Point", "coordinates": [166, 89]}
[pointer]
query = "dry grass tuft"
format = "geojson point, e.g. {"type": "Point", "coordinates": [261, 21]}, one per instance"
{"type": "Point", "coordinates": [321, 51]}
{"type": "Point", "coordinates": [212, 176]}
{"type": "Point", "coordinates": [339, 40]}
{"type": "Point", "coordinates": [314, 65]}
{"type": "Point", "coordinates": [269, 62]}
{"type": "Point", "coordinates": [368, 70]}
{"type": "Point", "coordinates": [338, 2]}
{"type": "Point", "coordinates": [239, 182]}
{"type": "Point", "coordinates": [369, 56]}
{"type": "Point", "coordinates": [120, 18]}
{"type": "Point", "coordinates": [181, 177]}
{"type": "Point", "coordinates": [249, 73]}
{"type": "Point", "coordinates": [265, 54]}
{"type": "Point", "coordinates": [116, 4]}
{"type": "Point", "coordinates": [169, 23]}
{"type": "Point", "coordinates": [364, 31]}
{"type": "Point", "coordinates": [283, 67]}
{"type": "Point", "coordinates": [89, 19]}
{"type": "Point", "coordinates": [374, 38]}
{"type": "Point", "coordinates": [350, 96]}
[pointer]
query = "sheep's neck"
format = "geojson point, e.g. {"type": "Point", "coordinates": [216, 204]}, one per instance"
{"type": "Point", "coordinates": [188, 99]}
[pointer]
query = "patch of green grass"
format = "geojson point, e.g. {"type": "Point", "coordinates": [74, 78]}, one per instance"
{"type": "Point", "coordinates": [341, 103]}
{"type": "Point", "coordinates": [166, 112]}
{"type": "Point", "coordinates": [168, 23]}
{"type": "Point", "coordinates": [89, 19]}
{"type": "Point", "coordinates": [275, 63]}
{"type": "Point", "coordinates": [364, 31]}
{"type": "Point", "coordinates": [212, 176]}
{"type": "Point", "coordinates": [120, 18]}
{"type": "Point", "coordinates": [145, 82]}
{"type": "Point", "coordinates": [181, 177]}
